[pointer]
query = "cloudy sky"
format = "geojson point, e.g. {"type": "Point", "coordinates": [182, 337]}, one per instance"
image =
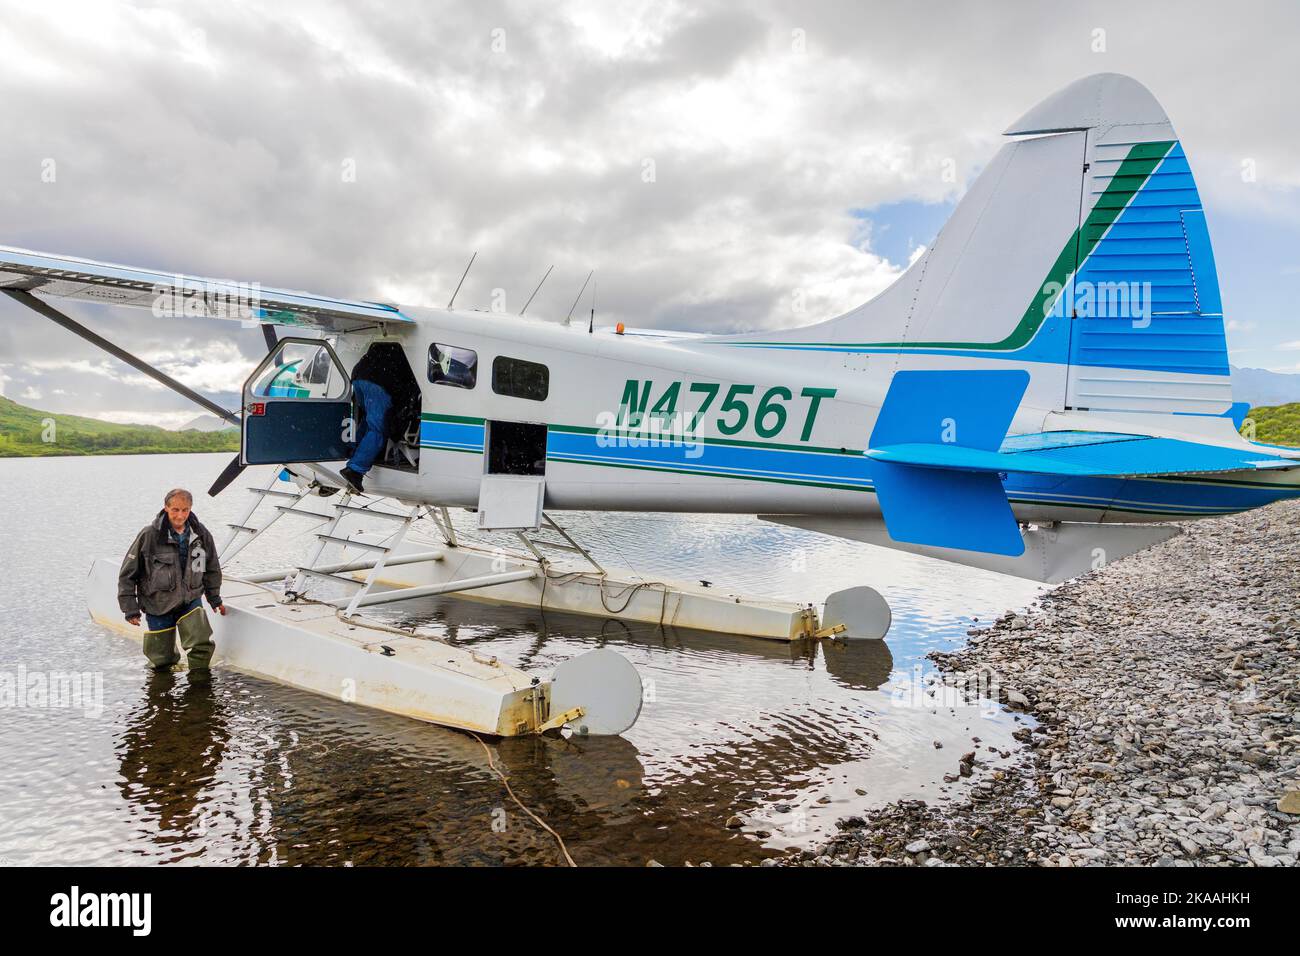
{"type": "Point", "coordinates": [706, 159]}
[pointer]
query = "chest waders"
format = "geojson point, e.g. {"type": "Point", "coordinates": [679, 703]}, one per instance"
{"type": "Point", "coordinates": [196, 638]}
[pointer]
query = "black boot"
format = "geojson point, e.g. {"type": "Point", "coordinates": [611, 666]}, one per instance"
{"type": "Point", "coordinates": [353, 479]}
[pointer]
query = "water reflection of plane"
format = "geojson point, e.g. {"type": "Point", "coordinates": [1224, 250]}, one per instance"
{"type": "Point", "coordinates": [334, 784]}
{"type": "Point", "coordinates": [171, 750]}
{"type": "Point", "coordinates": [753, 770]}
{"type": "Point", "coordinates": [330, 784]}
{"type": "Point", "coordinates": [859, 665]}
{"type": "Point", "coordinates": [856, 664]}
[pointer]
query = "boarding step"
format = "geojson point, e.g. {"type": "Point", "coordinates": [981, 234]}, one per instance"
{"type": "Point", "coordinates": [291, 510]}
{"type": "Point", "coordinates": [351, 543]}
{"type": "Point", "coordinates": [271, 492]}
{"type": "Point", "coordinates": [359, 510]}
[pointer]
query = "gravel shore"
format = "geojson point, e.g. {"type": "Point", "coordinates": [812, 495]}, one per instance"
{"type": "Point", "coordinates": [1166, 691]}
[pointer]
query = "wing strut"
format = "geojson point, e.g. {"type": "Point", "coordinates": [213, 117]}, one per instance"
{"type": "Point", "coordinates": [54, 315]}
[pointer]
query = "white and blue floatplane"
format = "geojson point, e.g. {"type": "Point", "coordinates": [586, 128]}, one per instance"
{"type": "Point", "coordinates": [1044, 389]}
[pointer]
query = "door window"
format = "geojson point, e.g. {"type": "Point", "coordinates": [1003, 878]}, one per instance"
{"type": "Point", "coordinates": [299, 369]}
{"type": "Point", "coordinates": [297, 406]}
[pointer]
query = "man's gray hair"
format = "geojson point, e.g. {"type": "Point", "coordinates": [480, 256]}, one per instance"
{"type": "Point", "coordinates": [177, 493]}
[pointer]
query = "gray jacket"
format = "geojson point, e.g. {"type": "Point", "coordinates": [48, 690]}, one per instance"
{"type": "Point", "coordinates": [151, 579]}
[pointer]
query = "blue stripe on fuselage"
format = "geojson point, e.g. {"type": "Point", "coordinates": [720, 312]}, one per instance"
{"type": "Point", "coordinates": [851, 472]}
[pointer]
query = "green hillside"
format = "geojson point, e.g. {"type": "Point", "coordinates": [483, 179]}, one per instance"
{"type": "Point", "coordinates": [23, 434]}
{"type": "Point", "coordinates": [1277, 424]}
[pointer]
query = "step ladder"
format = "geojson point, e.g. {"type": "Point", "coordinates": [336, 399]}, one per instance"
{"type": "Point", "coordinates": [243, 532]}
{"type": "Point", "coordinates": [383, 552]}
{"type": "Point", "coordinates": [343, 509]}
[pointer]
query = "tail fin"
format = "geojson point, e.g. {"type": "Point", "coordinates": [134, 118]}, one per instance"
{"type": "Point", "coordinates": [1080, 253]}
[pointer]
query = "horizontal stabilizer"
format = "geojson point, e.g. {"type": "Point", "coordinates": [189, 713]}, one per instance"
{"type": "Point", "coordinates": [1092, 455]}
{"type": "Point", "coordinates": [958, 509]}
{"type": "Point", "coordinates": [169, 294]}
{"type": "Point", "coordinates": [1049, 554]}
{"type": "Point", "coordinates": [964, 412]}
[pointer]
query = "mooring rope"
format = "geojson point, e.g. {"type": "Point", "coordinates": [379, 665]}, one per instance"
{"type": "Point", "coordinates": [538, 820]}
{"type": "Point", "coordinates": [486, 750]}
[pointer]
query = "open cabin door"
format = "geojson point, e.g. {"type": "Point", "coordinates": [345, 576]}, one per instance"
{"type": "Point", "coordinates": [297, 406]}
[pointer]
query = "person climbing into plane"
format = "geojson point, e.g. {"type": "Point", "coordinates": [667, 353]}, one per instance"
{"type": "Point", "coordinates": [169, 568]}
{"type": "Point", "coordinates": [383, 389]}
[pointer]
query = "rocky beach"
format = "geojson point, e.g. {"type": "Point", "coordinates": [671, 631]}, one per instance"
{"type": "Point", "coordinates": [1161, 698]}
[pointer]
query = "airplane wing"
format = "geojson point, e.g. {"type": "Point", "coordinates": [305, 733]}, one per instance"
{"type": "Point", "coordinates": [170, 294]}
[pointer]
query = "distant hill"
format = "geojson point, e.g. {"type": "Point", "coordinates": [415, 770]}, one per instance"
{"type": "Point", "coordinates": [207, 423]}
{"type": "Point", "coordinates": [1261, 387]}
{"type": "Point", "coordinates": [24, 433]}
{"type": "Point", "coordinates": [1278, 424]}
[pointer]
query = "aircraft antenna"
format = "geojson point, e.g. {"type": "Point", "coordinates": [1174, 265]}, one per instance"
{"type": "Point", "coordinates": [535, 291]}
{"type": "Point", "coordinates": [462, 279]}
{"type": "Point", "coordinates": [579, 297]}
{"type": "Point", "coordinates": [591, 323]}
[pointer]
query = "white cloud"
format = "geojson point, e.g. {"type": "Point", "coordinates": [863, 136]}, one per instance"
{"type": "Point", "coordinates": [212, 366]}
{"type": "Point", "coordinates": [535, 153]}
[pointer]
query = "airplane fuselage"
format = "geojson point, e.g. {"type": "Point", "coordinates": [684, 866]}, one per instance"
{"type": "Point", "coordinates": [687, 424]}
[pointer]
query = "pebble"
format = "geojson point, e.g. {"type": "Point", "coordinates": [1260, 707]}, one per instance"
{"type": "Point", "coordinates": [1166, 691]}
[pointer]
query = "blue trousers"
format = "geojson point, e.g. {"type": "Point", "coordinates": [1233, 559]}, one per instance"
{"type": "Point", "coordinates": [165, 621]}
{"type": "Point", "coordinates": [376, 403]}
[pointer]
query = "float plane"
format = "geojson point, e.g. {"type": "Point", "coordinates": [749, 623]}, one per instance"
{"type": "Point", "coordinates": [1041, 392]}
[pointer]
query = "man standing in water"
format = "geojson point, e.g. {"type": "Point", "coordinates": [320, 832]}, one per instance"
{"type": "Point", "coordinates": [169, 567]}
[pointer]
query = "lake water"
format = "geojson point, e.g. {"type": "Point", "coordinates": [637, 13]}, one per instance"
{"type": "Point", "coordinates": [787, 737]}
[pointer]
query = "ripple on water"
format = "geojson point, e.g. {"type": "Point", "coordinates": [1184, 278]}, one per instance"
{"type": "Point", "coordinates": [783, 736]}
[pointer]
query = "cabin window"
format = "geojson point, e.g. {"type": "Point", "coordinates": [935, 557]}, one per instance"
{"type": "Point", "coordinates": [519, 379]}
{"type": "Point", "coordinates": [449, 365]}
